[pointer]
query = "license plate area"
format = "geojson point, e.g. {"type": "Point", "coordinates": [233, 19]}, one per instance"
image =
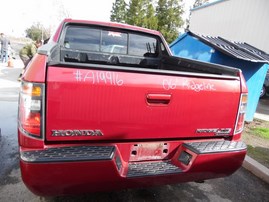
{"type": "Point", "coordinates": [149, 151]}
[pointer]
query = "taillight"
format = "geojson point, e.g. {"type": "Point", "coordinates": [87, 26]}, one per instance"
{"type": "Point", "coordinates": [241, 114]}
{"type": "Point", "coordinates": [30, 108]}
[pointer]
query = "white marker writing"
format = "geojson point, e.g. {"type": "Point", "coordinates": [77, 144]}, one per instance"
{"type": "Point", "coordinates": [197, 87]}
{"type": "Point", "coordinates": [78, 75]}
{"type": "Point", "coordinates": [89, 76]}
{"type": "Point", "coordinates": [170, 84]}
{"type": "Point", "coordinates": [96, 77]}
{"type": "Point", "coordinates": [191, 85]}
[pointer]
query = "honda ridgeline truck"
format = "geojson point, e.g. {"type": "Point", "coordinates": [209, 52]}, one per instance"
{"type": "Point", "coordinates": [106, 106]}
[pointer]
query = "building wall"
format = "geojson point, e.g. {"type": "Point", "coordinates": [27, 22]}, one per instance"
{"type": "Point", "coordinates": [237, 20]}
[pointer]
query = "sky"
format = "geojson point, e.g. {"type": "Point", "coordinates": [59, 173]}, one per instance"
{"type": "Point", "coordinates": [17, 18]}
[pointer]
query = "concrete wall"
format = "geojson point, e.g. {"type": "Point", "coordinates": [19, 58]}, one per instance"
{"type": "Point", "coordinates": [237, 20]}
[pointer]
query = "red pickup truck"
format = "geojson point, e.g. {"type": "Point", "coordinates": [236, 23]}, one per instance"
{"type": "Point", "coordinates": [106, 106]}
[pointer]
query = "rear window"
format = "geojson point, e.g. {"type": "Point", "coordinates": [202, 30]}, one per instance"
{"type": "Point", "coordinates": [82, 39]}
{"type": "Point", "coordinates": [142, 45]}
{"type": "Point", "coordinates": [109, 41]}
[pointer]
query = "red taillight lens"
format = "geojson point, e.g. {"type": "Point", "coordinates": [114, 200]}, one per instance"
{"type": "Point", "coordinates": [31, 123]}
{"type": "Point", "coordinates": [241, 114]}
{"type": "Point", "coordinates": [240, 122]}
{"type": "Point", "coordinates": [30, 105]}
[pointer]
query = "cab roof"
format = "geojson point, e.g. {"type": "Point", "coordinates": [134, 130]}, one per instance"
{"type": "Point", "coordinates": [112, 24]}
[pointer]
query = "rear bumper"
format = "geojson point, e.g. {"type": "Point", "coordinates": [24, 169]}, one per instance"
{"type": "Point", "coordinates": [80, 169]}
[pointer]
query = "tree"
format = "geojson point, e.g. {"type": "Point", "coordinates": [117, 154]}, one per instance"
{"type": "Point", "coordinates": [151, 20]}
{"type": "Point", "coordinates": [136, 13]}
{"type": "Point", "coordinates": [118, 12]}
{"type": "Point", "coordinates": [166, 17]}
{"type": "Point", "coordinates": [35, 32]}
{"type": "Point", "coordinates": [169, 18]}
{"type": "Point", "coordinates": [142, 13]}
{"type": "Point", "coordinates": [198, 3]}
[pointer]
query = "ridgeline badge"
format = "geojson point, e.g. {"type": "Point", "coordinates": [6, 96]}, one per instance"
{"type": "Point", "coordinates": [217, 131]}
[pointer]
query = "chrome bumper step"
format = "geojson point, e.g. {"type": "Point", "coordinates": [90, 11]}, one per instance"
{"type": "Point", "coordinates": [152, 168]}
{"type": "Point", "coordinates": [215, 146]}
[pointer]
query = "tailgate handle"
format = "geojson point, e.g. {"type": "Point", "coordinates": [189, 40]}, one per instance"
{"type": "Point", "coordinates": [158, 99]}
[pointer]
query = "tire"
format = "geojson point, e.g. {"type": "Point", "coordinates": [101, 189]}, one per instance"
{"type": "Point", "coordinates": [263, 92]}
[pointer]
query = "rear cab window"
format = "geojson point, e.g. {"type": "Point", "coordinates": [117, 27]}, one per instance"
{"type": "Point", "coordinates": [102, 45]}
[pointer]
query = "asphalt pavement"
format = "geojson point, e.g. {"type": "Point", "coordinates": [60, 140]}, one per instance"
{"type": "Point", "coordinates": [9, 85]}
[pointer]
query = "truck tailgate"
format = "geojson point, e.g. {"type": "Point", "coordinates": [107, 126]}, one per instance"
{"type": "Point", "coordinates": [90, 104]}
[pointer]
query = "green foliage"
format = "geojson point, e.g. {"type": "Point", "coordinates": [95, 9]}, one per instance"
{"type": "Point", "coordinates": [262, 132]}
{"type": "Point", "coordinates": [165, 16]}
{"type": "Point", "coordinates": [118, 12]}
{"type": "Point", "coordinates": [151, 20]}
{"type": "Point", "coordinates": [136, 13]}
{"type": "Point", "coordinates": [255, 135]}
{"type": "Point", "coordinates": [260, 154]}
{"type": "Point", "coordinates": [169, 18]}
{"type": "Point", "coordinates": [35, 32]}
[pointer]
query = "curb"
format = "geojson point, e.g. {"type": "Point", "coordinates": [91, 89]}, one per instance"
{"type": "Point", "coordinates": [260, 116]}
{"type": "Point", "coordinates": [256, 168]}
